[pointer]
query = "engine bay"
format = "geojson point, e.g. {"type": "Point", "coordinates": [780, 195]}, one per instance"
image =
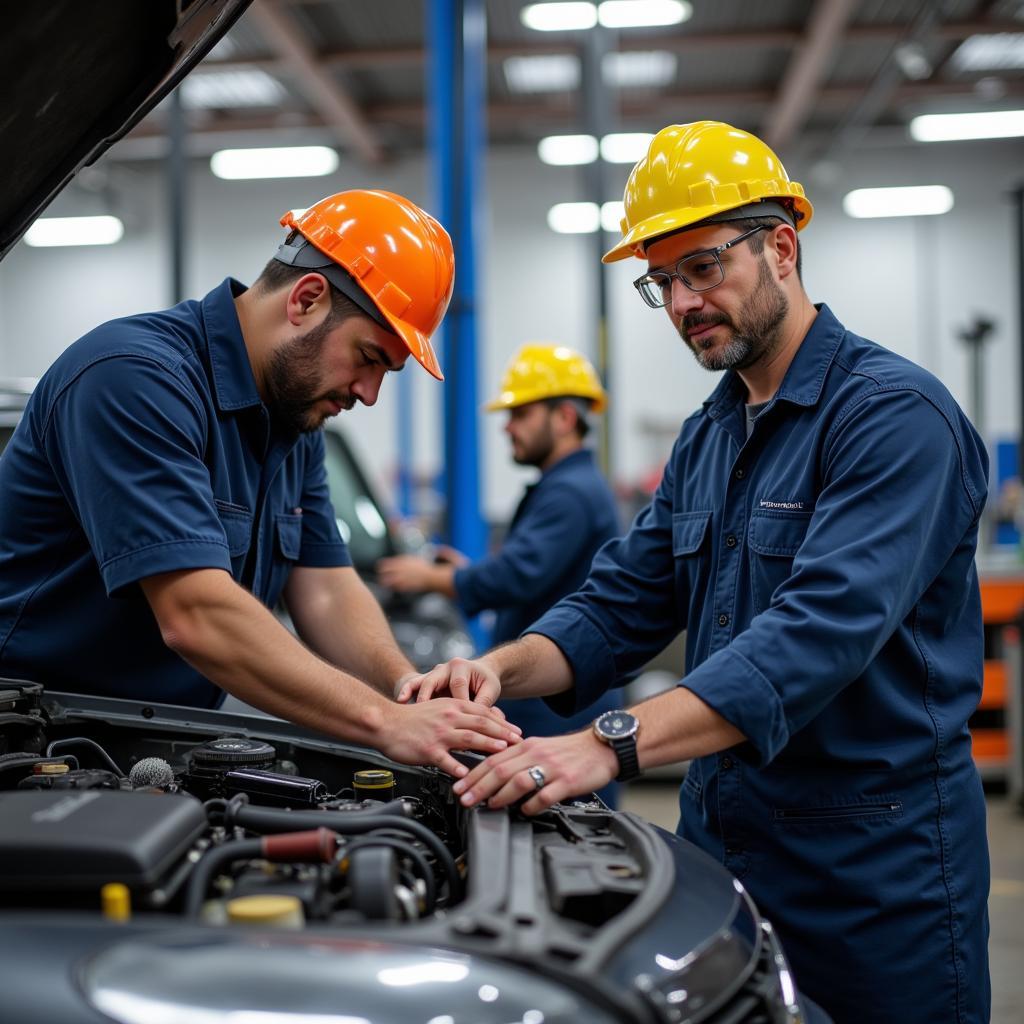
{"type": "Point", "coordinates": [141, 815]}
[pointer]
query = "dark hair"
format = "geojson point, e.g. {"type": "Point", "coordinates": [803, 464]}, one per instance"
{"type": "Point", "coordinates": [277, 275]}
{"type": "Point", "coordinates": [757, 241]}
{"type": "Point", "coordinates": [580, 405]}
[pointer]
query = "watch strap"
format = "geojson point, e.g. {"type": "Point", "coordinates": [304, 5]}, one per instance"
{"type": "Point", "coordinates": [629, 763]}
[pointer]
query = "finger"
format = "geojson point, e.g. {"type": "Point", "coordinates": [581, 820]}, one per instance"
{"type": "Point", "coordinates": [494, 774]}
{"type": "Point", "coordinates": [482, 720]}
{"type": "Point", "coordinates": [428, 688]}
{"type": "Point", "coordinates": [449, 764]}
{"type": "Point", "coordinates": [469, 740]}
{"type": "Point", "coordinates": [459, 679]}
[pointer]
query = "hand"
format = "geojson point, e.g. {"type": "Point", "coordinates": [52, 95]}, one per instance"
{"type": "Point", "coordinates": [407, 573]}
{"type": "Point", "coordinates": [427, 733]}
{"type": "Point", "coordinates": [571, 765]}
{"type": "Point", "coordinates": [466, 680]}
{"type": "Point", "coordinates": [450, 556]}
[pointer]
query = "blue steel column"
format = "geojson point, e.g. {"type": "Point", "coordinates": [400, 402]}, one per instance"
{"type": "Point", "coordinates": [457, 65]}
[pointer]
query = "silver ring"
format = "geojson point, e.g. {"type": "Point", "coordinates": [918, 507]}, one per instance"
{"type": "Point", "coordinates": [537, 774]}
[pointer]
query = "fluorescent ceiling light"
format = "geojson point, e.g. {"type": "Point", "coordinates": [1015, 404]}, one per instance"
{"type": "Point", "coordinates": [625, 147]}
{"type": "Point", "coordinates": [989, 124]}
{"type": "Point", "coordinates": [288, 162]}
{"type": "Point", "coordinates": [909, 201]}
{"type": "Point", "coordinates": [584, 218]}
{"type": "Point", "coordinates": [573, 218]}
{"type": "Point", "coordinates": [639, 69]}
{"type": "Point", "coordinates": [559, 17]}
{"type": "Point", "coordinates": [612, 214]}
{"type": "Point", "coordinates": [566, 150]}
{"type": "Point", "coordinates": [643, 13]}
{"type": "Point", "coordinates": [990, 52]}
{"type": "Point", "coordinates": [74, 231]}
{"type": "Point", "coordinates": [241, 87]}
{"type": "Point", "coordinates": [549, 73]}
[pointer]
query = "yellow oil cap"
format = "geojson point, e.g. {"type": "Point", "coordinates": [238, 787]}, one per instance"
{"type": "Point", "coordinates": [276, 910]}
{"type": "Point", "coordinates": [116, 901]}
{"type": "Point", "coordinates": [374, 782]}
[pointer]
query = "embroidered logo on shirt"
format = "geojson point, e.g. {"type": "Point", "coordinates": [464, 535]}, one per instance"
{"type": "Point", "coordinates": [789, 506]}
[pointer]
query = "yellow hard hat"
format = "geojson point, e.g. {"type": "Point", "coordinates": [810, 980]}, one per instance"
{"type": "Point", "coordinates": [693, 172]}
{"type": "Point", "coordinates": [539, 371]}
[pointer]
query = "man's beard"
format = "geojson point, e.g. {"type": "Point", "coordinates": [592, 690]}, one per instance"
{"type": "Point", "coordinates": [538, 450]}
{"type": "Point", "coordinates": [756, 333]}
{"type": "Point", "coordinates": [293, 377]}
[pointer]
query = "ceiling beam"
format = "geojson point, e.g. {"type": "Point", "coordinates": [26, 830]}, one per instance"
{"type": "Point", "coordinates": [806, 71]}
{"type": "Point", "coordinates": [324, 93]}
{"type": "Point", "coordinates": [370, 58]}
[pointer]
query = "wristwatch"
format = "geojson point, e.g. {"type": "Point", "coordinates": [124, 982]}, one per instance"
{"type": "Point", "coordinates": [618, 729]}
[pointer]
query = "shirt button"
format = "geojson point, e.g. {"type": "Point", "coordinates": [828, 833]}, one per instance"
{"type": "Point", "coordinates": [730, 541]}
{"type": "Point", "coordinates": [740, 474]}
{"type": "Point", "coordinates": [732, 851]}
{"type": "Point", "coordinates": [723, 620]}
{"type": "Point", "coordinates": [726, 763]}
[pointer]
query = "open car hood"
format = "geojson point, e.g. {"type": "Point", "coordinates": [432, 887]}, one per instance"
{"type": "Point", "coordinates": [77, 75]}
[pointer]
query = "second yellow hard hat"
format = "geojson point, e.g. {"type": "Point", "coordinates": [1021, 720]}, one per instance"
{"type": "Point", "coordinates": [538, 371]}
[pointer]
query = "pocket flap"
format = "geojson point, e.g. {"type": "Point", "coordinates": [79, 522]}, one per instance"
{"type": "Point", "coordinates": [289, 534]}
{"type": "Point", "coordinates": [688, 531]}
{"type": "Point", "coordinates": [236, 521]}
{"type": "Point", "coordinates": [779, 533]}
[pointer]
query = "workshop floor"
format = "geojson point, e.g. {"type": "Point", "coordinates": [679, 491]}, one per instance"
{"type": "Point", "coordinates": [657, 801]}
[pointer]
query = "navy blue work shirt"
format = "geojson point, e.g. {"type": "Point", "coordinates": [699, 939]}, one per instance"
{"type": "Point", "coordinates": [824, 572]}
{"type": "Point", "coordinates": [146, 449]}
{"type": "Point", "coordinates": [558, 527]}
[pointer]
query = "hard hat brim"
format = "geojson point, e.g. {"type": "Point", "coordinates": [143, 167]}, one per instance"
{"type": "Point", "coordinates": [632, 243]}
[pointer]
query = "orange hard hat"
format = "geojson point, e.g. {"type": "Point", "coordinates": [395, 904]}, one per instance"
{"type": "Point", "coordinates": [399, 256]}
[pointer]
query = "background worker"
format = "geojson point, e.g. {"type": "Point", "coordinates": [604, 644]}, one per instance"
{"type": "Point", "coordinates": [549, 392]}
{"type": "Point", "coordinates": [166, 487]}
{"type": "Point", "coordinates": [814, 533]}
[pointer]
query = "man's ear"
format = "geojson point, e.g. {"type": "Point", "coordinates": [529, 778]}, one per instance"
{"type": "Point", "coordinates": [308, 297]}
{"type": "Point", "coordinates": [784, 241]}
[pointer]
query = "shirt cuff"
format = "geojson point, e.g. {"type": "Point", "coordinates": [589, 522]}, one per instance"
{"type": "Point", "coordinates": [316, 555]}
{"type": "Point", "coordinates": [462, 582]}
{"type": "Point", "coordinates": [166, 556]}
{"type": "Point", "coordinates": [737, 689]}
{"type": "Point", "coordinates": [587, 651]}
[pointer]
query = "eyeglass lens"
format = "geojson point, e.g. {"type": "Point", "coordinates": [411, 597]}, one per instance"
{"type": "Point", "coordinates": [699, 273]}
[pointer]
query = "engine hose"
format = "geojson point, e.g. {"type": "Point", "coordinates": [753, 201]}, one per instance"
{"type": "Point", "coordinates": [410, 851]}
{"type": "Point", "coordinates": [273, 819]}
{"type": "Point", "coordinates": [213, 860]}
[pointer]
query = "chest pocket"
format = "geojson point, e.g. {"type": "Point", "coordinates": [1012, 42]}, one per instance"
{"type": "Point", "coordinates": [289, 534]}
{"type": "Point", "coordinates": [236, 521]}
{"type": "Point", "coordinates": [287, 544]}
{"type": "Point", "coordinates": [773, 540]}
{"type": "Point", "coordinates": [690, 552]}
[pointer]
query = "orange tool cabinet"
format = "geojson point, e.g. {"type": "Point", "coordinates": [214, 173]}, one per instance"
{"type": "Point", "coordinates": [1002, 601]}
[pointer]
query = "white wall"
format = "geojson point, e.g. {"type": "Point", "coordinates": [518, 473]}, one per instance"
{"type": "Point", "coordinates": [908, 283]}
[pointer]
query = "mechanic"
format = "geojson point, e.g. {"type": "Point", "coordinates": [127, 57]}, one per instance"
{"type": "Point", "coordinates": [548, 391]}
{"type": "Point", "coordinates": [814, 533]}
{"type": "Point", "coordinates": [166, 487]}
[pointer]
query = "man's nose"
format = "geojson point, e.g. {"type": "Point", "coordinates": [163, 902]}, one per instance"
{"type": "Point", "coordinates": [684, 300]}
{"type": "Point", "coordinates": [367, 387]}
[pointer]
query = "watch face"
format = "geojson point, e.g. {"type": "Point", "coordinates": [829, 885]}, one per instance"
{"type": "Point", "coordinates": [614, 725]}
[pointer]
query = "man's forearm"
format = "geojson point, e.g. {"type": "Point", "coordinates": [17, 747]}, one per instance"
{"type": "Point", "coordinates": [338, 617]}
{"type": "Point", "coordinates": [532, 666]}
{"type": "Point", "coordinates": [232, 639]}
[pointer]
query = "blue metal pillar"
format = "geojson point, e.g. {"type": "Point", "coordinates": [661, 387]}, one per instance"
{"type": "Point", "coordinates": [457, 33]}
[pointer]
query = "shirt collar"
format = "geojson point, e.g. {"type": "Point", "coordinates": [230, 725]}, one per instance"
{"type": "Point", "coordinates": [806, 374]}
{"type": "Point", "coordinates": [575, 458]}
{"type": "Point", "coordinates": [233, 381]}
